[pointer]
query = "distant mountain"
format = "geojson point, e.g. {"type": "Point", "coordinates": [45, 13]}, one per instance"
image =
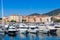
{"type": "Point", "coordinates": [53, 13]}
{"type": "Point", "coordinates": [34, 14]}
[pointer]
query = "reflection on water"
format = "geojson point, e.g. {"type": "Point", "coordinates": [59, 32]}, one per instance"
{"type": "Point", "coordinates": [31, 36]}
{"type": "Point", "coordinates": [1, 37]}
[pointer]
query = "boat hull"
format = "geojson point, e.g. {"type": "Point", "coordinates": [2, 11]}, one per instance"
{"type": "Point", "coordinates": [12, 33]}
{"type": "Point", "coordinates": [53, 31]}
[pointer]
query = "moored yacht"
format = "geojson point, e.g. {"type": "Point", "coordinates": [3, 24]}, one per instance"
{"type": "Point", "coordinates": [33, 29]}
{"type": "Point", "coordinates": [57, 25]}
{"type": "Point", "coordinates": [51, 28]}
{"type": "Point", "coordinates": [6, 29]}
{"type": "Point", "coordinates": [23, 28]}
{"type": "Point", "coordinates": [12, 30]}
{"type": "Point", "coordinates": [43, 28]}
{"type": "Point", "coordinates": [1, 31]}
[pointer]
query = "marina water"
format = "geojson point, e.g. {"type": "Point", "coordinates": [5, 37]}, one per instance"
{"type": "Point", "coordinates": [31, 36]}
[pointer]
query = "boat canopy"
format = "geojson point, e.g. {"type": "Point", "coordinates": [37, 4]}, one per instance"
{"type": "Point", "coordinates": [32, 26]}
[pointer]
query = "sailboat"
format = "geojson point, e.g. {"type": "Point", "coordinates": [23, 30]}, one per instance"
{"type": "Point", "coordinates": [1, 28]}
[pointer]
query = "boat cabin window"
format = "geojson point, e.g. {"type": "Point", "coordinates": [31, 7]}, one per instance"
{"type": "Point", "coordinates": [32, 28]}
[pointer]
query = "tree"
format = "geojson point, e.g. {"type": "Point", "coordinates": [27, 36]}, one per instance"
{"type": "Point", "coordinates": [23, 20]}
{"type": "Point", "coordinates": [41, 19]}
{"type": "Point", "coordinates": [53, 19]}
{"type": "Point", "coordinates": [12, 21]}
{"type": "Point", "coordinates": [34, 20]}
{"type": "Point", "coordinates": [57, 20]}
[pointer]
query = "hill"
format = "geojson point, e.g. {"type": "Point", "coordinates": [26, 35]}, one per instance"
{"type": "Point", "coordinates": [53, 13]}
{"type": "Point", "coordinates": [34, 14]}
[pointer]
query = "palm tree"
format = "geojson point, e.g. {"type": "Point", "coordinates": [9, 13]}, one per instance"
{"type": "Point", "coordinates": [41, 19]}
{"type": "Point", "coordinates": [34, 20]}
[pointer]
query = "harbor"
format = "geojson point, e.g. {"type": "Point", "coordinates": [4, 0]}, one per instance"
{"type": "Point", "coordinates": [29, 32]}
{"type": "Point", "coordinates": [29, 20]}
{"type": "Point", "coordinates": [30, 36]}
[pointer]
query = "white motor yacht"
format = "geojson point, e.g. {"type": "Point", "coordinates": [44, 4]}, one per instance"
{"type": "Point", "coordinates": [57, 25]}
{"type": "Point", "coordinates": [12, 30]}
{"type": "Point", "coordinates": [33, 29]}
{"type": "Point", "coordinates": [1, 31]}
{"type": "Point", "coordinates": [6, 29]}
{"type": "Point", "coordinates": [43, 28]}
{"type": "Point", "coordinates": [51, 28]}
{"type": "Point", "coordinates": [23, 28]}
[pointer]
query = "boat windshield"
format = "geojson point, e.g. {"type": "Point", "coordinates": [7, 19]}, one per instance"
{"type": "Point", "coordinates": [51, 24]}
{"type": "Point", "coordinates": [32, 28]}
{"type": "Point", "coordinates": [14, 25]}
{"type": "Point", "coordinates": [42, 25]}
{"type": "Point", "coordinates": [24, 27]}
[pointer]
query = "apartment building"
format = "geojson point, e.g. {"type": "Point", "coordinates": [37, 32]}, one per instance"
{"type": "Point", "coordinates": [16, 18]}
{"type": "Point", "coordinates": [37, 19]}
{"type": "Point", "coordinates": [57, 16]}
{"type": "Point", "coordinates": [30, 19]}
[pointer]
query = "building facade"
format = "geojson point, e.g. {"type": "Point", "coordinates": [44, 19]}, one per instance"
{"type": "Point", "coordinates": [37, 19]}
{"type": "Point", "coordinates": [29, 19]}
{"type": "Point", "coordinates": [16, 18]}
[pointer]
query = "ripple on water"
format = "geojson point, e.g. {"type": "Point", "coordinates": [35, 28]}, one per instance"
{"type": "Point", "coordinates": [30, 37]}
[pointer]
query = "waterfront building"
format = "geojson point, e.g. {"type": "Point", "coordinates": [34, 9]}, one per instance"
{"type": "Point", "coordinates": [28, 19]}
{"type": "Point", "coordinates": [25, 19]}
{"type": "Point", "coordinates": [6, 20]}
{"type": "Point", "coordinates": [16, 18]}
{"type": "Point", "coordinates": [57, 16]}
{"type": "Point", "coordinates": [36, 19]}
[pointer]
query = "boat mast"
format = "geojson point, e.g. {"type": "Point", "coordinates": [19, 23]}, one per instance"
{"type": "Point", "coordinates": [2, 12]}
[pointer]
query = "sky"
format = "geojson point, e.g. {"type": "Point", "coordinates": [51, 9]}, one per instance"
{"type": "Point", "coordinates": [26, 7]}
